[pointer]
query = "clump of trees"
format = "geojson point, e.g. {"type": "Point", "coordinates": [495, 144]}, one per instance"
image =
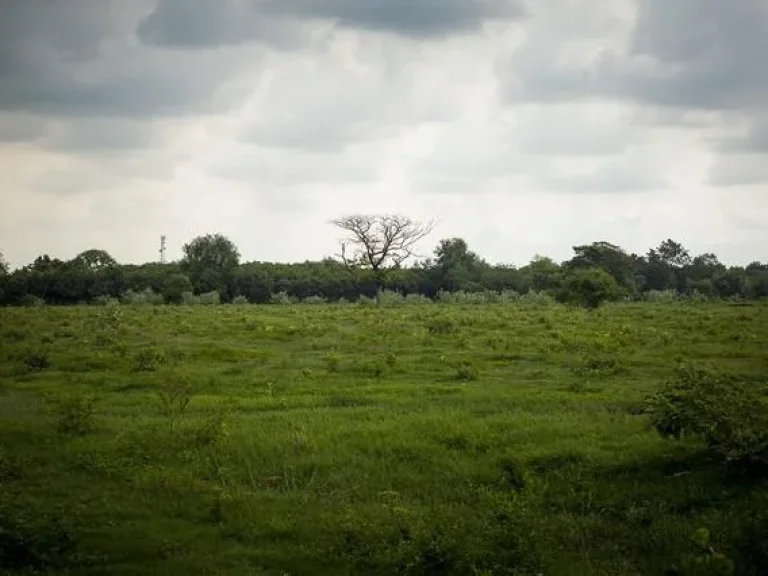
{"type": "Point", "coordinates": [377, 253]}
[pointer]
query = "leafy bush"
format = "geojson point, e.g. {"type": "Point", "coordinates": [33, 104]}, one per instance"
{"type": "Point", "coordinates": [104, 300]}
{"type": "Point", "coordinates": [148, 360]}
{"type": "Point", "coordinates": [76, 416]}
{"type": "Point", "coordinates": [389, 299]}
{"type": "Point", "coordinates": [210, 298]}
{"type": "Point", "coordinates": [240, 301]}
{"type": "Point", "coordinates": [146, 297]}
{"type": "Point", "coordinates": [175, 286]}
{"type": "Point", "coordinates": [174, 400]}
{"type": "Point", "coordinates": [281, 299]}
{"type": "Point", "coordinates": [662, 296]}
{"type": "Point", "coordinates": [32, 301]}
{"type": "Point", "coordinates": [189, 299]}
{"type": "Point", "coordinates": [38, 359]}
{"type": "Point", "coordinates": [588, 287]}
{"type": "Point", "coordinates": [729, 412]}
{"type": "Point", "coordinates": [466, 371]}
{"type": "Point", "coordinates": [315, 300]}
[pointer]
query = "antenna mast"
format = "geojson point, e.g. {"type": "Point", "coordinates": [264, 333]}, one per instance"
{"type": "Point", "coordinates": [162, 249]}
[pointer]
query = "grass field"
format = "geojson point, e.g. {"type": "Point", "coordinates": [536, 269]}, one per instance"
{"type": "Point", "coordinates": [425, 439]}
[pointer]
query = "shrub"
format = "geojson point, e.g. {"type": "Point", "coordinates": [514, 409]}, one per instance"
{"type": "Point", "coordinates": [389, 299]}
{"type": "Point", "coordinates": [441, 326]}
{"type": "Point", "coordinates": [76, 416]}
{"type": "Point", "coordinates": [175, 286]}
{"type": "Point", "coordinates": [240, 301]}
{"type": "Point", "coordinates": [32, 301]}
{"type": "Point", "coordinates": [105, 300]}
{"type": "Point", "coordinates": [729, 412]}
{"type": "Point", "coordinates": [588, 287]}
{"type": "Point", "coordinates": [210, 298]}
{"type": "Point", "coordinates": [189, 299]}
{"type": "Point", "coordinates": [315, 300]}
{"type": "Point", "coordinates": [38, 359]}
{"type": "Point", "coordinates": [174, 401]}
{"type": "Point", "coordinates": [662, 296]}
{"type": "Point", "coordinates": [146, 297]}
{"type": "Point", "coordinates": [281, 299]}
{"type": "Point", "coordinates": [148, 360]}
{"type": "Point", "coordinates": [466, 371]}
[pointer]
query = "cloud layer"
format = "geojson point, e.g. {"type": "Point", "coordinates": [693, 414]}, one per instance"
{"type": "Point", "coordinates": [525, 127]}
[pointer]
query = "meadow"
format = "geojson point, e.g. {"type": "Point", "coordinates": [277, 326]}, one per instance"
{"type": "Point", "coordinates": [326, 439]}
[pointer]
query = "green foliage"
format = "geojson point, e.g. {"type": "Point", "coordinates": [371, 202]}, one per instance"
{"type": "Point", "coordinates": [146, 297]}
{"type": "Point", "coordinates": [174, 288]}
{"type": "Point", "coordinates": [76, 415]}
{"type": "Point", "coordinates": [281, 299]}
{"type": "Point", "coordinates": [729, 412]}
{"type": "Point", "coordinates": [174, 399]}
{"type": "Point", "coordinates": [210, 298]}
{"type": "Point", "coordinates": [240, 301]}
{"type": "Point", "coordinates": [149, 359]}
{"type": "Point", "coordinates": [466, 371]}
{"type": "Point", "coordinates": [588, 287]}
{"type": "Point", "coordinates": [209, 261]}
{"type": "Point", "coordinates": [39, 358]}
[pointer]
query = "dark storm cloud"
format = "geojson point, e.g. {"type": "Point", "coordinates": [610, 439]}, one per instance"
{"type": "Point", "coordinates": [704, 54]}
{"type": "Point", "coordinates": [205, 24]}
{"type": "Point", "coordinates": [80, 58]}
{"type": "Point", "coordinates": [187, 23]}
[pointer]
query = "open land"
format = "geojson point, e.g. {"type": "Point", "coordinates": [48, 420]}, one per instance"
{"type": "Point", "coordinates": [328, 439]}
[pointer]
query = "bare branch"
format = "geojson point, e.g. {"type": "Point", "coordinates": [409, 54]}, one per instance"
{"type": "Point", "coordinates": [380, 241]}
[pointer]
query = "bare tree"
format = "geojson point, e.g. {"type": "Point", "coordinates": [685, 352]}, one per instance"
{"type": "Point", "coordinates": [379, 242]}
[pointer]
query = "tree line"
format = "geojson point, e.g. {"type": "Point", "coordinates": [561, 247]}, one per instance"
{"type": "Point", "coordinates": [373, 259]}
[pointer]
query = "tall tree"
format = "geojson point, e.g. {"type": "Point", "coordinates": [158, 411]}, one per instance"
{"type": "Point", "coordinates": [457, 265]}
{"type": "Point", "coordinates": [95, 259]}
{"type": "Point", "coordinates": [3, 264]}
{"type": "Point", "coordinates": [379, 242]}
{"type": "Point", "coordinates": [611, 258]}
{"type": "Point", "coordinates": [209, 261]}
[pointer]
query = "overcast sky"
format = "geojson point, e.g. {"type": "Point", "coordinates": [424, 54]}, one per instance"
{"type": "Point", "coordinates": [523, 126]}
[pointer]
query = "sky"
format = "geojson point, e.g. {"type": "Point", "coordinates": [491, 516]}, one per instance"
{"type": "Point", "coordinates": [523, 126]}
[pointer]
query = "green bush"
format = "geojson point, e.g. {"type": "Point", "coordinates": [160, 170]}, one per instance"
{"type": "Point", "coordinates": [588, 287]}
{"type": "Point", "coordinates": [76, 416]}
{"type": "Point", "coordinates": [210, 298]}
{"type": "Point", "coordinates": [175, 286]}
{"type": "Point", "coordinates": [728, 411]}
{"type": "Point", "coordinates": [189, 299]}
{"type": "Point", "coordinates": [240, 301]}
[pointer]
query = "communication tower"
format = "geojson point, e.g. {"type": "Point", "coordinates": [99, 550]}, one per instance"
{"type": "Point", "coordinates": [162, 249]}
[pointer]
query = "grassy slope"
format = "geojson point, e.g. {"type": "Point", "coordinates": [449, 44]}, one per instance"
{"type": "Point", "coordinates": [427, 440]}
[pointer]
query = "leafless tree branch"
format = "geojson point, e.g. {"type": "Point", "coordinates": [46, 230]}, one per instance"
{"type": "Point", "coordinates": [379, 241]}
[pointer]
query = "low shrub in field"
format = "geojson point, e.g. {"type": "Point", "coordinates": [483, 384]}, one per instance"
{"type": "Point", "coordinates": [314, 300]}
{"type": "Point", "coordinates": [38, 359]}
{"type": "Point", "coordinates": [729, 412]}
{"type": "Point", "coordinates": [105, 300]}
{"type": "Point", "coordinates": [146, 297]}
{"type": "Point", "coordinates": [661, 296]}
{"type": "Point", "coordinates": [149, 360]}
{"type": "Point", "coordinates": [31, 301]}
{"type": "Point", "coordinates": [240, 301]}
{"type": "Point", "coordinates": [174, 400]}
{"type": "Point", "coordinates": [76, 416]}
{"type": "Point", "coordinates": [281, 299]}
{"type": "Point", "coordinates": [189, 299]}
{"type": "Point", "coordinates": [210, 298]}
{"type": "Point", "coordinates": [442, 326]}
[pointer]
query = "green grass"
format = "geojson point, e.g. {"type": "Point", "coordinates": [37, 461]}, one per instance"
{"type": "Point", "coordinates": [430, 439]}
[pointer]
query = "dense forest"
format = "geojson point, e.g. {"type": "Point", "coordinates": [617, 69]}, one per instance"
{"type": "Point", "coordinates": [211, 264]}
